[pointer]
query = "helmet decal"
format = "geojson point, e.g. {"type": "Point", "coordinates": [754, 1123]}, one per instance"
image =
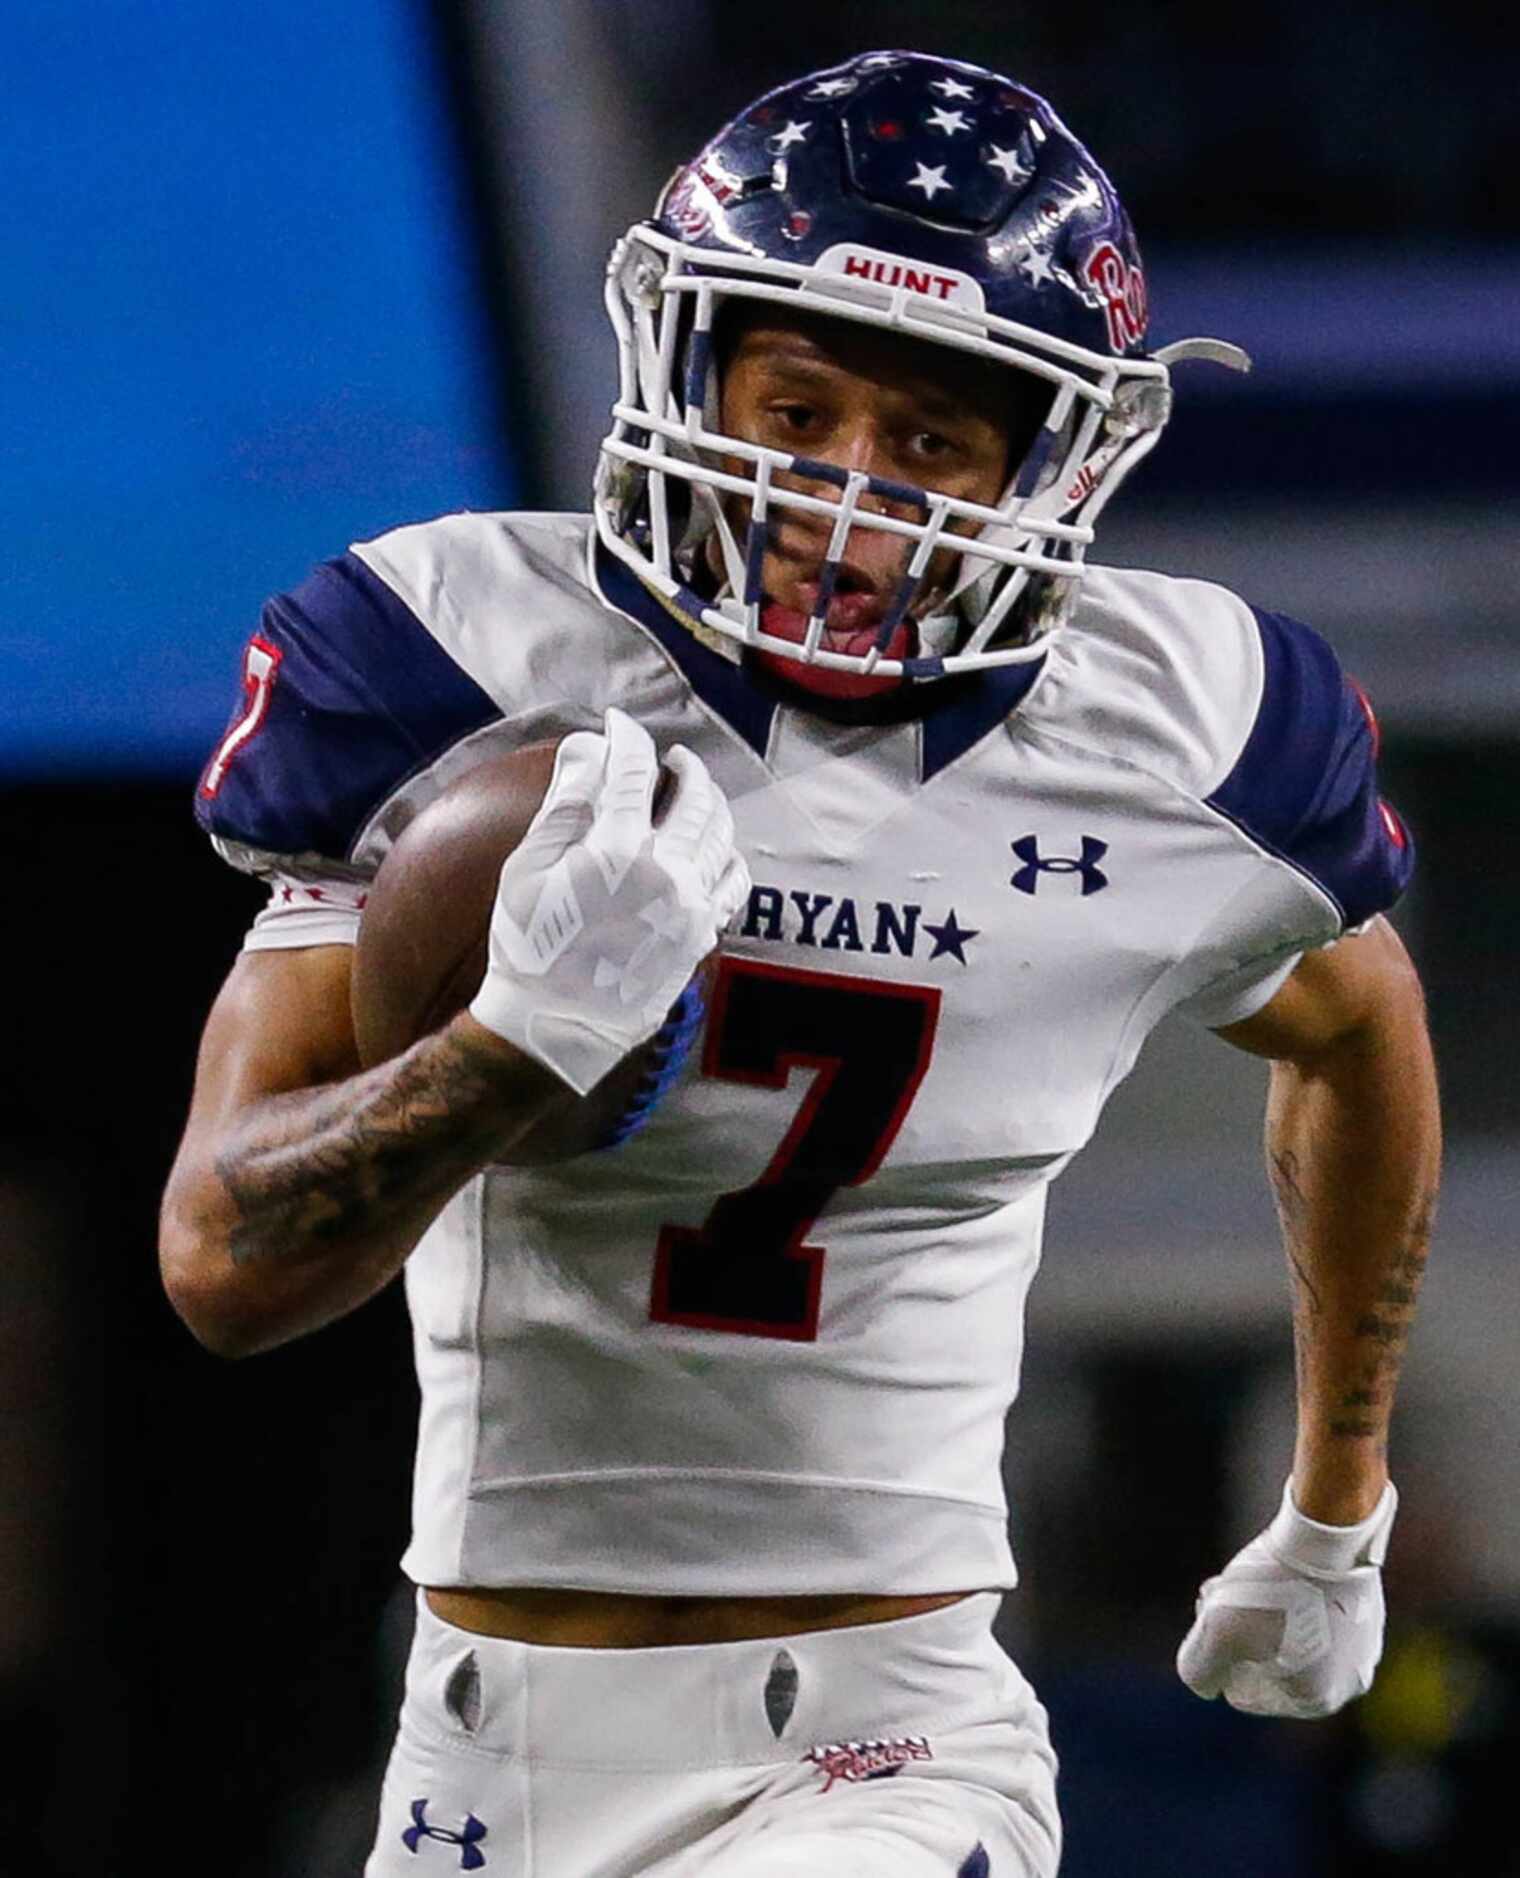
{"type": "Point", "coordinates": [1121, 287]}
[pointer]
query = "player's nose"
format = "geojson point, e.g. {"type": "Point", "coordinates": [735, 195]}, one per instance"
{"type": "Point", "coordinates": [860, 448]}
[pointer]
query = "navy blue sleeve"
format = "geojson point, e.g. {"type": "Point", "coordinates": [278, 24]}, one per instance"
{"type": "Point", "coordinates": [345, 695]}
{"type": "Point", "coordinates": [1305, 784]}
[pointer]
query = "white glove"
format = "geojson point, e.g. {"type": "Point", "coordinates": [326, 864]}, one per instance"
{"type": "Point", "coordinates": [601, 918]}
{"type": "Point", "coordinates": [1293, 1625]}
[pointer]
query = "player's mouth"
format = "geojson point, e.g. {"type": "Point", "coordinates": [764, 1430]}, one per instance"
{"type": "Point", "coordinates": [851, 626]}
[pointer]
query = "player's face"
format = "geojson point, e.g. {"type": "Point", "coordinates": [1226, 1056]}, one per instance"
{"type": "Point", "coordinates": [895, 407]}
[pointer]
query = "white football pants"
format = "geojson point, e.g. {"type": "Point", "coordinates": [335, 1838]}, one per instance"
{"type": "Point", "coordinates": [912, 1749]}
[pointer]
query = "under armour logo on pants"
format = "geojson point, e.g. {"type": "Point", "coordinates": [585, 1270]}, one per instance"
{"type": "Point", "coordinates": [471, 1858]}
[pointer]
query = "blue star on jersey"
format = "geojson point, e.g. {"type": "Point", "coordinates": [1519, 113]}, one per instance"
{"type": "Point", "coordinates": [950, 937]}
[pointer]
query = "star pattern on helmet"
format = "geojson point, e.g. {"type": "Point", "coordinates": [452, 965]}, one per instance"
{"type": "Point", "coordinates": [949, 936]}
{"type": "Point", "coordinates": [1007, 161]}
{"type": "Point", "coordinates": [1035, 265]}
{"type": "Point", "coordinates": [947, 121]}
{"type": "Point", "coordinates": [830, 88]}
{"type": "Point", "coordinates": [930, 178]}
{"type": "Point", "coordinates": [951, 88]}
{"type": "Point", "coordinates": [792, 133]}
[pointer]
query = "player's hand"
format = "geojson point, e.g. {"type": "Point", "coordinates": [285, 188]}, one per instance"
{"type": "Point", "coordinates": [1293, 1625]}
{"type": "Point", "coordinates": [601, 916]}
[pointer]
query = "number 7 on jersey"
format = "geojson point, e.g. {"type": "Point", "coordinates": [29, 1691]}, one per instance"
{"type": "Point", "coordinates": [747, 1268]}
{"type": "Point", "coordinates": [261, 666]}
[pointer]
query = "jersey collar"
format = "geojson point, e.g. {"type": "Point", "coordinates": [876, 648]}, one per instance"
{"type": "Point", "coordinates": [958, 714]}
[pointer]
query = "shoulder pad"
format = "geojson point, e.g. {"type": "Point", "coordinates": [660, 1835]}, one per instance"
{"type": "Point", "coordinates": [1155, 672]}
{"type": "Point", "coordinates": [481, 584]}
{"type": "Point", "coordinates": [344, 695]}
{"type": "Point", "coordinates": [1304, 784]}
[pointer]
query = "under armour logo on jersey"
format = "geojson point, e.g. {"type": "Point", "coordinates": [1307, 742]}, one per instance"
{"type": "Point", "coordinates": [471, 1858]}
{"type": "Point", "coordinates": [1027, 879]}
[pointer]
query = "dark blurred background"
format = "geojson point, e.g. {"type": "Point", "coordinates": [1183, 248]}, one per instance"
{"type": "Point", "coordinates": [280, 280]}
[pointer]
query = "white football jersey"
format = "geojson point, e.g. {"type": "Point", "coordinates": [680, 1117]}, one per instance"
{"type": "Point", "coordinates": [766, 1345]}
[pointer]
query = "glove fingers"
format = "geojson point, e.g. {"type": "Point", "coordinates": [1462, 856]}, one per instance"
{"type": "Point", "coordinates": [1254, 1689]}
{"type": "Point", "coordinates": [564, 815]}
{"type": "Point", "coordinates": [578, 765]}
{"type": "Point", "coordinates": [1293, 1625]}
{"type": "Point", "coordinates": [1200, 1663]}
{"type": "Point", "coordinates": [694, 802]}
{"type": "Point", "coordinates": [717, 845]}
{"type": "Point", "coordinates": [1225, 1638]}
{"type": "Point", "coordinates": [732, 893]}
{"type": "Point", "coordinates": [620, 824]}
{"type": "Point", "coordinates": [603, 920]}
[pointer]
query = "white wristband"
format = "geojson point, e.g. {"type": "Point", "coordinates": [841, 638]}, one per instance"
{"type": "Point", "coordinates": [1320, 1551]}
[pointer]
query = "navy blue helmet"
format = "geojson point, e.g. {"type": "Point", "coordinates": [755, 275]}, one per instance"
{"type": "Point", "coordinates": [934, 199]}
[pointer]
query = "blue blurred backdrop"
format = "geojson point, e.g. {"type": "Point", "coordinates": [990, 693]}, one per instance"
{"type": "Point", "coordinates": [242, 328]}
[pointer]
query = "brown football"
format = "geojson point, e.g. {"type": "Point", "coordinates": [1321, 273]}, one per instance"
{"type": "Point", "coordinates": [421, 953]}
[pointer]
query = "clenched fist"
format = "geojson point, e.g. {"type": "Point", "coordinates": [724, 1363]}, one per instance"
{"type": "Point", "coordinates": [1293, 1625]}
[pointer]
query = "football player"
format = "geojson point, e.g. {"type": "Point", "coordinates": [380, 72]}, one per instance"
{"type": "Point", "coordinates": [708, 1522]}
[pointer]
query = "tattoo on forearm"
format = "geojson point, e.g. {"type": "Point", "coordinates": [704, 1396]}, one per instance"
{"type": "Point", "coordinates": [1382, 1333]}
{"type": "Point", "coordinates": [1292, 1210]}
{"type": "Point", "coordinates": [321, 1164]}
{"type": "Point", "coordinates": [1368, 1372]}
{"type": "Point", "coordinates": [1291, 1204]}
{"type": "Point", "coordinates": [1307, 1294]}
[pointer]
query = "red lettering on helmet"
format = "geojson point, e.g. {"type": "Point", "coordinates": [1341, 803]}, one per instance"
{"type": "Point", "coordinates": [895, 274]}
{"type": "Point", "coordinates": [1123, 291]}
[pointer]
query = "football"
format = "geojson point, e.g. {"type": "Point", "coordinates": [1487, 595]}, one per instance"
{"type": "Point", "coordinates": [421, 953]}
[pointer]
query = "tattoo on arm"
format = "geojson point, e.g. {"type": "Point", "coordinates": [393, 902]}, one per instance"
{"type": "Point", "coordinates": [1292, 1210]}
{"type": "Point", "coordinates": [1360, 1412]}
{"type": "Point", "coordinates": [319, 1165]}
{"type": "Point", "coordinates": [1382, 1333]}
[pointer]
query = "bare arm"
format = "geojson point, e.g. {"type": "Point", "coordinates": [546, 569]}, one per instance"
{"type": "Point", "coordinates": [1353, 1148]}
{"type": "Point", "coordinates": [302, 1183]}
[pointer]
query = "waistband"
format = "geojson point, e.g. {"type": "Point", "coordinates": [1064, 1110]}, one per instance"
{"type": "Point", "coordinates": [718, 1704]}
